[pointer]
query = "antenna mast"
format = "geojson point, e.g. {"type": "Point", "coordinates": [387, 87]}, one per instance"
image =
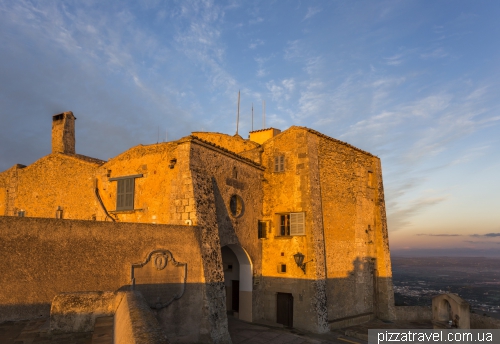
{"type": "Point", "coordinates": [263, 114]}
{"type": "Point", "coordinates": [252, 116]}
{"type": "Point", "coordinates": [238, 117]}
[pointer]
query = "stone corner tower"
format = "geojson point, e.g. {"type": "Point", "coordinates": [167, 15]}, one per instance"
{"type": "Point", "coordinates": [63, 133]}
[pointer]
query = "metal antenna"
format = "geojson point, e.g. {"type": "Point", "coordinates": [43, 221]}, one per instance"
{"type": "Point", "coordinates": [252, 116]}
{"type": "Point", "coordinates": [158, 138]}
{"type": "Point", "coordinates": [238, 118]}
{"type": "Point", "coordinates": [263, 114]}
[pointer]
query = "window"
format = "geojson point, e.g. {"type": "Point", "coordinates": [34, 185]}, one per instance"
{"type": "Point", "coordinates": [370, 179]}
{"type": "Point", "coordinates": [279, 163]}
{"type": "Point", "coordinates": [262, 229]}
{"type": "Point", "coordinates": [236, 205]}
{"type": "Point", "coordinates": [125, 194]}
{"type": "Point", "coordinates": [125, 191]}
{"type": "Point", "coordinates": [281, 268]}
{"type": "Point", "coordinates": [291, 224]}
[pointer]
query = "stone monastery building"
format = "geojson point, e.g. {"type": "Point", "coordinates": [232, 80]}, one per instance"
{"type": "Point", "coordinates": [286, 226]}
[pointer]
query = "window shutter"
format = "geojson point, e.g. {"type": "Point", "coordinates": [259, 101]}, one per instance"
{"type": "Point", "coordinates": [119, 194]}
{"type": "Point", "coordinates": [282, 163]}
{"type": "Point", "coordinates": [125, 194]}
{"type": "Point", "coordinates": [276, 163]}
{"type": "Point", "coordinates": [297, 224]}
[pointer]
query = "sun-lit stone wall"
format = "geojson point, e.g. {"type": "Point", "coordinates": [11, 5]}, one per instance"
{"type": "Point", "coordinates": [155, 166]}
{"type": "Point", "coordinates": [56, 180]}
{"type": "Point", "coordinates": [48, 256]}
{"type": "Point", "coordinates": [296, 189]}
{"type": "Point", "coordinates": [234, 143]}
{"type": "Point", "coordinates": [357, 251]}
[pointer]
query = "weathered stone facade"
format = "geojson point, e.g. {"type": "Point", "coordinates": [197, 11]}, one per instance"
{"type": "Point", "coordinates": [269, 200]}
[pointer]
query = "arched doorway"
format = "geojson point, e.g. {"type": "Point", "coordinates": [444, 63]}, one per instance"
{"type": "Point", "coordinates": [238, 280]}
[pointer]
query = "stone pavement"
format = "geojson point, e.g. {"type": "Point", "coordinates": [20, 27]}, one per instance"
{"type": "Point", "coordinates": [37, 332]}
{"type": "Point", "coordinates": [249, 333]}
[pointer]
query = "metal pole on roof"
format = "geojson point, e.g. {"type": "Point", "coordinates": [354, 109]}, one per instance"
{"type": "Point", "coordinates": [263, 114]}
{"type": "Point", "coordinates": [252, 116]}
{"type": "Point", "coordinates": [238, 117]}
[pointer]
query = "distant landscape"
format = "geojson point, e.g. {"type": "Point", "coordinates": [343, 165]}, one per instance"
{"type": "Point", "coordinates": [475, 279]}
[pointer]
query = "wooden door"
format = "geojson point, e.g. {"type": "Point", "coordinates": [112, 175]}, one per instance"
{"type": "Point", "coordinates": [236, 295]}
{"type": "Point", "coordinates": [284, 309]}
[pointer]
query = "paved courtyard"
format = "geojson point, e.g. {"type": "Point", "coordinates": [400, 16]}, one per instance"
{"type": "Point", "coordinates": [37, 332]}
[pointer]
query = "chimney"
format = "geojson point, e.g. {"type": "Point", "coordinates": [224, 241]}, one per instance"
{"type": "Point", "coordinates": [63, 133]}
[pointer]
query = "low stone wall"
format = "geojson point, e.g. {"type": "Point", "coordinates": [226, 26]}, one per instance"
{"type": "Point", "coordinates": [413, 313]}
{"type": "Point", "coordinates": [134, 323]}
{"type": "Point", "coordinates": [76, 312]}
{"type": "Point", "coordinates": [478, 321]}
{"type": "Point", "coordinates": [42, 258]}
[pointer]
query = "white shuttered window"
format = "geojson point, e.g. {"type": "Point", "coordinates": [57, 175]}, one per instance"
{"type": "Point", "coordinates": [297, 224]}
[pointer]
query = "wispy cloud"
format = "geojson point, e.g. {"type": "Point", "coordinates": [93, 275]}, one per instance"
{"type": "Point", "coordinates": [254, 43]}
{"type": "Point", "coordinates": [311, 12]}
{"type": "Point", "coordinates": [394, 60]}
{"type": "Point", "coordinates": [439, 235]}
{"type": "Point", "coordinates": [438, 53]}
{"type": "Point", "coordinates": [489, 235]}
{"type": "Point", "coordinates": [401, 218]}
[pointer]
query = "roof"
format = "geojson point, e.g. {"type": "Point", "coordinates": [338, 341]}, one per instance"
{"type": "Point", "coordinates": [88, 159]}
{"type": "Point", "coordinates": [227, 152]}
{"type": "Point", "coordinates": [332, 139]}
{"type": "Point", "coordinates": [256, 131]}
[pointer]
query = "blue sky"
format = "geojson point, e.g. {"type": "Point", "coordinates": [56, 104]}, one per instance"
{"type": "Point", "coordinates": [414, 82]}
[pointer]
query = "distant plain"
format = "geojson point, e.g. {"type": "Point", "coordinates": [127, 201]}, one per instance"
{"type": "Point", "coordinates": [475, 279]}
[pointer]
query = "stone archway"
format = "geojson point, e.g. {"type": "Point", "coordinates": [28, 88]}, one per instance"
{"type": "Point", "coordinates": [450, 310]}
{"type": "Point", "coordinates": [238, 275]}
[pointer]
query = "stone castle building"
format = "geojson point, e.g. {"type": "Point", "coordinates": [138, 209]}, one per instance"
{"type": "Point", "coordinates": [292, 222]}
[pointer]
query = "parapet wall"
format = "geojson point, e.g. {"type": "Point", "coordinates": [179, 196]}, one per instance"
{"type": "Point", "coordinates": [42, 258]}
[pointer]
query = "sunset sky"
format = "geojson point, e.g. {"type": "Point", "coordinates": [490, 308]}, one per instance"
{"type": "Point", "coordinates": [416, 83]}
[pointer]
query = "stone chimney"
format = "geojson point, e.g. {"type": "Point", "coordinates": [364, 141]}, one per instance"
{"type": "Point", "coordinates": [63, 133]}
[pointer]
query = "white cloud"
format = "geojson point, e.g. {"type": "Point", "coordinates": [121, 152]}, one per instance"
{"type": "Point", "coordinates": [311, 12]}
{"type": "Point", "coordinates": [435, 54]}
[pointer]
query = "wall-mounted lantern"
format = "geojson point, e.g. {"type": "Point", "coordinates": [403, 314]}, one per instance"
{"type": "Point", "coordinates": [299, 260]}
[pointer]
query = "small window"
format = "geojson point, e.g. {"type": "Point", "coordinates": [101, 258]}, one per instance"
{"type": "Point", "coordinates": [262, 229]}
{"type": "Point", "coordinates": [281, 268]}
{"type": "Point", "coordinates": [291, 224]}
{"type": "Point", "coordinates": [279, 163]}
{"type": "Point", "coordinates": [370, 179]}
{"type": "Point", "coordinates": [284, 225]}
{"type": "Point", "coordinates": [236, 205]}
{"type": "Point", "coordinates": [235, 173]}
{"type": "Point", "coordinates": [125, 194]}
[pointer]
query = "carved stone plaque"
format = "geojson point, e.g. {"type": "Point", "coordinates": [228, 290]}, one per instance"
{"type": "Point", "coordinates": [160, 278]}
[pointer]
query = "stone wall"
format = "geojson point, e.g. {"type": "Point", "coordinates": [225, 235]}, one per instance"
{"type": "Point", "coordinates": [155, 168]}
{"type": "Point", "coordinates": [234, 143]}
{"type": "Point", "coordinates": [44, 257]}
{"type": "Point", "coordinates": [357, 251]}
{"type": "Point", "coordinates": [413, 313]}
{"type": "Point", "coordinates": [294, 190]}
{"type": "Point", "coordinates": [478, 321]}
{"type": "Point", "coordinates": [57, 180]}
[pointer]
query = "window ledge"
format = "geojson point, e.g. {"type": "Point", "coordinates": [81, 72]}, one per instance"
{"type": "Point", "coordinates": [125, 211]}
{"type": "Point", "coordinates": [283, 237]}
